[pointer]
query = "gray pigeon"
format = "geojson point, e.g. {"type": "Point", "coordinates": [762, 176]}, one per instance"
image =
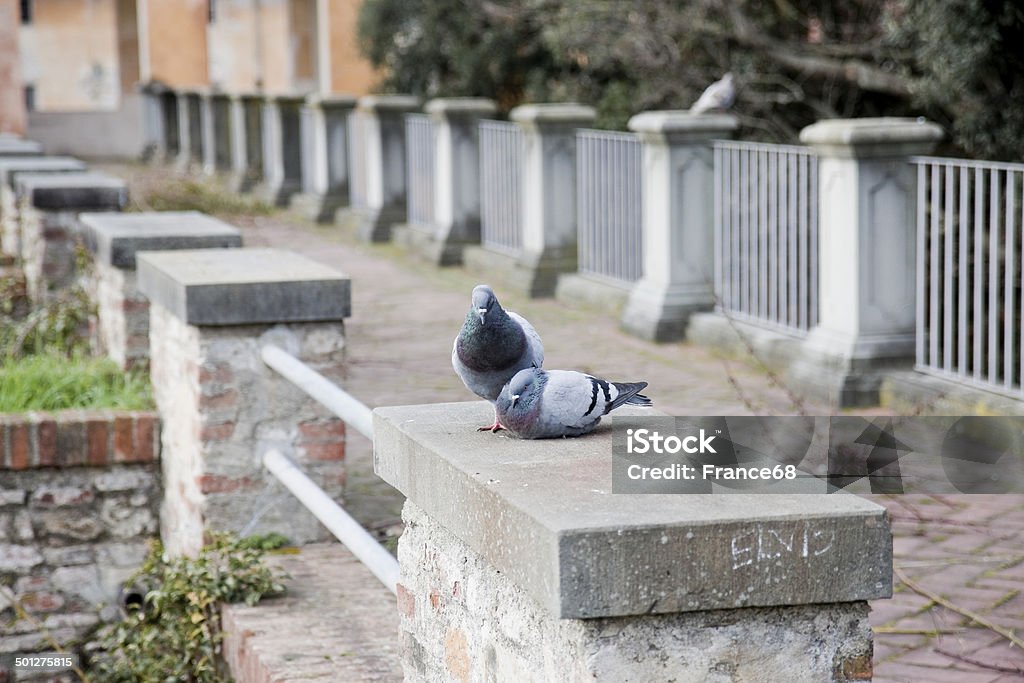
{"type": "Point", "coordinates": [544, 405]}
{"type": "Point", "coordinates": [719, 95]}
{"type": "Point", "coordinates": [492, 346]}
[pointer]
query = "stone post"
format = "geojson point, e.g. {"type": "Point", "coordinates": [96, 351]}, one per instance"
{"type": "Point", "coordinates": [282, 156]}
{"type": "Point", "coordinates": [456, 180]}
{"type": "Point", "coordinates": [48, 207]}
{"type": "Point", "coordinates": [10, 168]}
{"type": "Point", "coordinates": [224, 135]}
{"type": "Point", "coordinates": [251, 165]}
{"type": "Point", "coordinates": [548, 186]}
{"type": "Point", "coordinates": [383, 165]}
{"type": "Point", "coordinates": [678, 221]}
{"type": "Point", "coordinates": [324, 145]}
{"type": "Point", "coordinates": [13, 146]}
{"type": "Point", "coordinates": [518, 563]}
{"type": "Point", "coordinates": [211, 311]}
{"type": "Point", "coordinates": [153, 121]}
{"type": "Point", "coordinates": [122, 312]}
{"type": "Point", "coordinates": [170, 123]}
{"type": "Point", "coordinates": [184, 159]}
{"type": "Point", "coordinates": [866, 255]}
{"type": "Point", "coordinates": [207, 132]}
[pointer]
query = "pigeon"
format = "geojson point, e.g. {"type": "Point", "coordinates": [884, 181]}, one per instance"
{"type": "Point", "coordinates": [719, 95]}
{"type": "Point", "coordinates": [492, 346]}
{"type": "Point", "coordinates": [545, 405]}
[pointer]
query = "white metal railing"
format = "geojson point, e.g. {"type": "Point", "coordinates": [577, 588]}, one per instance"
{"type": "Point", "coordinates": [419, 141]}
{"type": "Point", "coordinates": [501, 154]}
{"type": "Point", "coordinates": [357, 129]}
{"type": "Point", "coordinates": [969, 276]}
{"type": "Point", "coordinates": [609, 212]}
{"type": "Point", "coordinates": [766, 234]}
{"type": "Point", "coordinates": [346, 529]}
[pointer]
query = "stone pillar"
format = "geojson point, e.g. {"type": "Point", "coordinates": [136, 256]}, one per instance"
{"type": "Point", "coordinates": [211, 311]}
{"type": "Point", "coordinates": [48, 206]}
{"type": "Point", "coordinates": [866, 255]}
{"type": "Point", "coordinates": [282, 156]}
{"type": "Point", "coordinates": [324, 145]}
{"type": "Point", "coordinates": [678, 221]}
{"type": "Point", "coordinates": [456, 180]}
{"type": "Point", "coordinates": [383, 129]}
{"type": "Point", "coordinates": [548, 186]}
{"type": "Point", "coordinates": [207, 132]}
{"type": "Point", "coordinates": [122, 312]}
{"type": "Point", "coordinates": [252, 171]}
{"type": "Point", "coordinates": [184, 159]}
{"type": "Point", "coordinates": [153, 122]}
{"type": "Point", "coordinates": [517, 563]}
{"type": "Point", "coordinates": [223, 132]}
{"type": "Point", "coordinates": [169, 104]}
{"type": "Point", "coordinates": [10, 168]}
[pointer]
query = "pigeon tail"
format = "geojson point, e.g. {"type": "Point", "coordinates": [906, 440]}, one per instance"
{"type": "Point", "coordinates": [629, 393]}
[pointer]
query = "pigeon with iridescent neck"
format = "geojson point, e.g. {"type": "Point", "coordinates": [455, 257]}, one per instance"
{"type": "Point", "coordinates": [492, 346]}
{"type": "Point", "coordinates": [546, 405]}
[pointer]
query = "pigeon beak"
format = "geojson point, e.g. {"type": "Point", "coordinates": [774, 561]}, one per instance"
{"type": "Point", "coordinates": [515, 397]}
{"type": "Point", "coordinates": [481, 312]}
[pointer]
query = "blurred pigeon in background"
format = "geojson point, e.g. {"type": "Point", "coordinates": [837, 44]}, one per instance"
{"type": "Point", "coordinates": [719, 95]}
{"type": "Point", "coordinates": [492, 346]}
{"type": "Point", "coordinates": [543, 405]}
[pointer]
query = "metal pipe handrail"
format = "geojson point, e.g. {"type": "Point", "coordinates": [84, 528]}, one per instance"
{"type": "Point", "coordinates": [330, 395]}
{"type": "Point", "coordinates": [365, 547]}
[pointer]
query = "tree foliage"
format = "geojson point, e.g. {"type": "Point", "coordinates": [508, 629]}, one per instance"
{"type": "Point", "coordinates": [796, 61]}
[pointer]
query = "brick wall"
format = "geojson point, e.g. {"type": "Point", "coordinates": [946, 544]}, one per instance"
{"type": "Point", "coordinates": [49, 240]}
{"type": "Point", "coordinates": [122, 318]}
{"type": "Point", "coordinates": [79, 498]}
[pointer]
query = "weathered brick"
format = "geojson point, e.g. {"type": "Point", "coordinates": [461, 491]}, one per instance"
{"type": "Point", "coordinates": [18, 557]}
{"type": "Point", "coordinates": [324, 451]}
{"type": "Point", "coordinates": [72, 446]}
{"type": "Point", "coordinates": [45, 428]}
{"type": "Point", "coordinates": [61, 496]}
{"type": "Point", "coordinates": [97, 430]}
{"type": "Point", "coordinates": [123, 438]}
{"type": "Point", "coordinates": [222, 400]}
{"type": "Point", "coordinates": [19, 455]}
{"type": "Point", "coordinates": [322, 429]}
{"type": "Point", "coordinates": [42, 601]}
{"type": "Point", "coordinates": [215, 372]}
{"type": "Point", "coordinates": [129, 305]}
{"type": "Point", "coordinates": [144, 441]}
{"type": "Point", "coordinates": [215, 483]}
{"type": "Point", "coordinates": [217, 432]}
{"type": "Point", "coordinates": [406, 602]}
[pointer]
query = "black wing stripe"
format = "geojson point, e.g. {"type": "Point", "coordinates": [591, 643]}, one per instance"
{"type": "Point", "coordinates": [607, 395]}
{"type": "Point", "coordinates": [593, 396]}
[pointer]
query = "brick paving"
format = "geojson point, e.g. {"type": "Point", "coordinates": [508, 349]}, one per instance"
{"type": "Point", "coordinates": [967, 549]}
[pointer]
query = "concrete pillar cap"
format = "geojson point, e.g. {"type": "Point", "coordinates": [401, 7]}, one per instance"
{"type": "Point", "coordinates": [72, 191]}
{"type": "Point", "coordinates": [563, 113]}
{"type": "Point", "coordinates": [11, 166]}
{"type": "Point", "coordinates": [682, 121]}
{"type": "Point", "coordinates": [117, 237]}
{"type": "Point", "coordinates": [873, 137]}
{"type": "Point", "coordinates": [461, 106]}
{"type": "Point", "coordinates": [391, 103]}
{"type": "Point", "coordinates": [339, 101]}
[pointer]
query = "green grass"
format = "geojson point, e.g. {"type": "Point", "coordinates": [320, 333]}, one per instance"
{"type": "Point", "coordinates": [191, 195]}
{"type": "Point", "coordinates": [50, 382]}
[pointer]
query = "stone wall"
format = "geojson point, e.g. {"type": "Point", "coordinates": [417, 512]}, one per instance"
{"type": "Point", "coordinates": [79, 498]}
{"type": "Point", "coordinates": [122, 320]}
{"type": "Point", "coordinates": [49, 241]}
{"type": "Point", "coordinates": [463, 620]}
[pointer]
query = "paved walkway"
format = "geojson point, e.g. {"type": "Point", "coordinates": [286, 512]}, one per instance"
{"type": "Point", "coordinates": [968, 550]}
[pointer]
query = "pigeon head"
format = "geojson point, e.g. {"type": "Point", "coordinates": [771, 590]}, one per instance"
{"type": "Point", "coordinates": [522, 384]}
{"type": "Point", "coordinates": [484, 302]}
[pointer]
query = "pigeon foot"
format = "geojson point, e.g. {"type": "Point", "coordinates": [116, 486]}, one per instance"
{"type": "Point", "coordinates": [496, 427]}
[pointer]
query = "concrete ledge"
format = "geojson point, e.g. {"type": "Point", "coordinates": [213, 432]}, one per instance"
{"type": "Point", "coordinates": [737, 338]}
{"type": "Point", "coordinates": [542, 514]}
{"type": "Point", "coordinates": [72, 191]}
{"type": "Point", "coordinates": [243, 286]}
{"type": "Point", "coordinates": [872, 137]}
{"type": "Point", "coordinates": [116, 237]}
{"type": "Point", "coordinates": [560, 113]}
{"type": "Point", "coordinates": [913, 392]}
{"type": "Point", "coordinates": [576, 289]}
{"type": "Point", "coordinates": [15, 146]}
{"type": "Point", "coordinates": [10, 167]}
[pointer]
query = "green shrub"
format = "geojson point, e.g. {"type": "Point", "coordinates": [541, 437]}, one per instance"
{"type": "Point", "coordinates": [55, 382]}
{"type": "Point", "coordinates": [191, 195]}
{"type": "Point", "coordinates": [175, 634]}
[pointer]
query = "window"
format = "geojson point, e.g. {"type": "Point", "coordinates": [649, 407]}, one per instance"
{"type": "Point", "coordinates": [30, 98]}
{"type": "Point", "coordinates": [26, 11]}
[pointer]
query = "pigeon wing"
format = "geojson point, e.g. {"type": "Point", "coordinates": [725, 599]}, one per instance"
{"type": "Point", "coordinates": [533, 343]}
{"type": "Point", "coordinates": [574, 399]}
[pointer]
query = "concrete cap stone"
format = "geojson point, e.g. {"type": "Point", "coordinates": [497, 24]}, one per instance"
{"type": "Point", "coordinates": [243, 286]}
{"type": "Point", "coordinates": [873, 137]}
{"type": "Point", "coordinates": [315, 99]}
{"type": "Point", "coordinates": [11, 145]}
{"type": "Point", "coordinates": [543, 514]}
{"type": "Point", "coordinates": [391, 103]}
{"type": "Point", "coordinates": [116, 237]}
{"type": "Point", "coordinates": [682, 123]}
{"type": "Point", "coordinates": [569, 112]}
{"type": "Point", "coordinates": [72, 191]}
{"type": "Point", "coordinates": [461, 106]}
{"type": "Point", "coordinates": [10, 167]}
